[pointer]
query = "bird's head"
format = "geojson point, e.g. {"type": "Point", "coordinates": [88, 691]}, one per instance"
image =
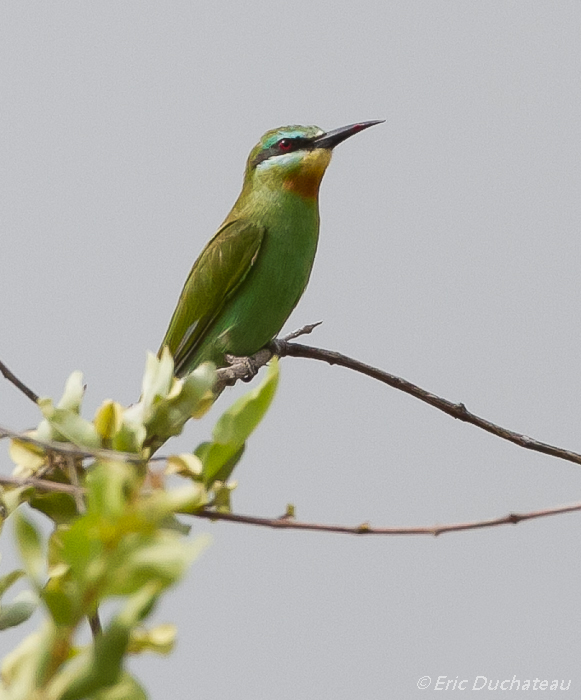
{"type": "Point", "coordinates": [295, 157]}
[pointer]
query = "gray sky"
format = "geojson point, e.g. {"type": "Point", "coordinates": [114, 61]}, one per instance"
{"type": "Point", "coordinates": [449, 255]}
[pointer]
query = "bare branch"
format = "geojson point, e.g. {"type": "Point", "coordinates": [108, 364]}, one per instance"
{"type": "Point", "coordinates": [67, 448]}
{"type": "Point", "coordinates": [289, 523]}
{"type": "Point", "coordinates": [74, 479]}
{"type": "Point", "coordinates": [239, 370]}
{"type": "Point", "coordinates": [41, 485]}
{"type": "Point", "coordinates": [282, 348]}
{"type": "Point", "coordinates": [456, 410]}
{"type": "Point", "coordinates": [285, 523]}
{"type": "Point", "coordinates": [11, 377]}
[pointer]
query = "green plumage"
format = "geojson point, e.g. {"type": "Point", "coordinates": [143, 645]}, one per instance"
{"type": "Point", "coordinates": [252, 273]}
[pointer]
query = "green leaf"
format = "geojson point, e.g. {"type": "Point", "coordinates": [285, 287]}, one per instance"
{"type": "Point", "coordinates": [175, 525]}
{"type": "Point", "coordinates": [59, 507]}
{"type": "Point", "coordinates": [189, 397]}
{"type": "Point", "coordinates": [235, 426]}
{"type": "Point", "coordinates": [160, 639]}
{"type": "Point", "coordinates": [102, 669]}
{"type": "Point", "coordinates": [109, 485]}
{"type": "Point", "coordinates": [130, 436]}
{"type": "Point", "coordinates": [198, 389]}
{"type": "Point", "coordinates": [82, 551]}
{"type": "Point", "coordinates": [30, 547]}
{"type": "Point", "coordinates": [220, 461]}
{"type": "Point", "coordinates": [63, 594]}
{"type": "Point", "coordinates": [161, 562]}
{"type": "Point", "coordinates": [237, 423]}
{"type": "Point", "coordinates": [22, 667]}
{"type": "Point", "coordinates": [108, 419]}
{"type": "Point", "coordinates": [73, 393]}
{"type": "Point", "coordinates": [29, 458]}
{"type": "Point", "coordinates": [137, 606]}
{"type": "Point", "coordinates": [184, 464]}
{"type": "Point", "coordinates": [184, 499]}
{"type": "Point", "coordinates": [157, 379]}
{"type": "Point", "coordinates": [19, 610]}
{"type": "Point", "coordinates": [64, 601]}
{"type": "Point", "coordinates": [70, 425]}
{"type": "Point", "coordinates": [11, 498]}
{"type": "Point", "coordinates": [22, 605]}
{"type": "Point", "coordinates": [9, 580]}
{"type": "Point", "coordinates": [222, 493]}
{"type": "Point", "coordinates": [127, 688]}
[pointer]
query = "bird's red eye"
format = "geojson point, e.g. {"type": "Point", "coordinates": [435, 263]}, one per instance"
{"type": "Point", "coordinates": [285, 144]}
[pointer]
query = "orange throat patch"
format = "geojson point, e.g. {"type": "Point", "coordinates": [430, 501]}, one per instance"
{"type": "Point", "coordinates": [307, 179]}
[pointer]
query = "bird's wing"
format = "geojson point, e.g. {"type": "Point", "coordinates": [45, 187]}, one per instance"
{"type": "Point", "coordinates": [216, 274]}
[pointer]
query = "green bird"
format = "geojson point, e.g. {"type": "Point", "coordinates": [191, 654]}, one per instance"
{"type": "Point", "coordinates": [252, 273]}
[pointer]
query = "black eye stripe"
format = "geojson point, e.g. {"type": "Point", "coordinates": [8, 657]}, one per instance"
{"type": "Point", "coordinates": [296, 144]}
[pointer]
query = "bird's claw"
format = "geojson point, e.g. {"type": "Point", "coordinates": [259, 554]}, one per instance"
{"type": "Point", "coordinates": [247, 362]}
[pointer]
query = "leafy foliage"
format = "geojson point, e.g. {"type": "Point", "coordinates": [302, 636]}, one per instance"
{"type": "Point", "coordinates": [115, 532]}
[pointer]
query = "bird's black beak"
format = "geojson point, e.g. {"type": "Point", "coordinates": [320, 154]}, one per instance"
{"type": "Point", "coordinates": [335, 137]}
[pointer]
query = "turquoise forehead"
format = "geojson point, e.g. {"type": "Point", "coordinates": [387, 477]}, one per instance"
{"type": "Point", "coordinates": [289, 132]}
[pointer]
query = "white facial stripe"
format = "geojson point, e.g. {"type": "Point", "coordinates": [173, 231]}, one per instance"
{"type": "Point", "coordinates": [282, 160]}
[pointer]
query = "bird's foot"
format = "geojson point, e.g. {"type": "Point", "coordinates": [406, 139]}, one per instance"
{"type": "Point", "coordinates": [248, 364]}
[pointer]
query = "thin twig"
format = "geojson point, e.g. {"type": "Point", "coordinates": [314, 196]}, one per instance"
{"type": "Point", "coordinates": [282, 348]}
{"type": "Point", "coordinates": [456, 410]}
{"type": "Point", "coordinates": [74, 479]}
{"type": "Point", "coordinates": [304, 330]}
{"type": "Point", "coordinates": [286, 523]}
{"type": "Point", "coordinates": [67, 448]}
{"type": "Point", "coordinates": [11, 377]}
{"type": "Point", "coordinates": [40, 484]}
